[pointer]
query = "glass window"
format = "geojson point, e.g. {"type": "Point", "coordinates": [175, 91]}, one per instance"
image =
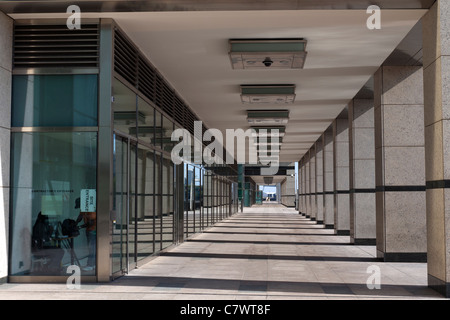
{"type": "Point", "coordinates": [124, 108]}
{"type": "Point", "coordinates": [53, 193]}
{"type": "Point", "coordinates": [54, 100]}
{"type": "Point", "coordinates": [147, 125]}
{"type": "Point", "coordinates": [145, 217]}
{"type": "Point", "coordinates": [167, 144]}
{"type": "Point", "coordinates": [159, 130]}
{"type": "Point", "coordinates": [167, 202]}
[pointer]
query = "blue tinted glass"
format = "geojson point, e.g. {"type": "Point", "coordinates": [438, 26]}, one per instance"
{"type": "Point", "coordinates": [54, 100]}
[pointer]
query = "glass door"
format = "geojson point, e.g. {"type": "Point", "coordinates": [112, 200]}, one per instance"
{"type": "Point", "coordinates": [121, 206]}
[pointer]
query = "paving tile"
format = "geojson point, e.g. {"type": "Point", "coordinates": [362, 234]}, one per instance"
{"type": "Point", "coordinates": [265, 253]}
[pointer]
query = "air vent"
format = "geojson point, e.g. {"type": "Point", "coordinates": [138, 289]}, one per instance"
{"type": "Point", "coordinates": [267, 53]}
{"type": "Point", "coordinates": [125, 58]}
{"type": "Point", "coordinates": [267, 94]}
{"type": "Point", "coordinates": [130, 64]}
{"type": "Point", "coordinates": [47, 46]}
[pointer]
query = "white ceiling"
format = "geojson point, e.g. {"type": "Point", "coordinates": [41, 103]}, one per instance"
{"type": "Point", "coordinates": [191, 50]}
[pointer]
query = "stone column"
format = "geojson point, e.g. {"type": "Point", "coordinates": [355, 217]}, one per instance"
{"type": "Point", "coordinates": [312, 183]}
{"type": "Point", "coordinates": [300, 187]}
{"type": "Point", "coordinates": [436, 56]}
{"type": "Point", "coordinates": [362, 172]}
{"type": "Point", "coordinates": [307, 187]}
{"type": "Point", "coordinates": [400, 164]}
{"type": "Point", "coordinates": [6, 27]}
{"type": "Point", "coordinates": [328, 179]}
{"type": "Point", "coordinates": [341, 175]}
{"type": "Point", "coordinates": [319, 180]}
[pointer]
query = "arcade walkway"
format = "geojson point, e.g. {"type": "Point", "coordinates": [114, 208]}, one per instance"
{"type": "Point", "coordinates": [267, 252]}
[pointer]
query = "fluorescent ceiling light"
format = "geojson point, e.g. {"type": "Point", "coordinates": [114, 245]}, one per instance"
{"type": "Point", "coordinates": [267, 94]}
{"type": "Point", "coordinates": [267, 53]}
{"type": "Point", "coordinates": [267, 117]}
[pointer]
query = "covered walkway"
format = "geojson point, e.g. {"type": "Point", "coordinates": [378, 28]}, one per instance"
{"type": "Point", "coordinates": [267, 252]}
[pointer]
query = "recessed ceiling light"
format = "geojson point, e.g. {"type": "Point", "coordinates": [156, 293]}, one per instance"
{"type": "Point", "coordinates": [268, 53]}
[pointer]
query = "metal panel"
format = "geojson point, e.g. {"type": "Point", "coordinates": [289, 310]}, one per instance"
{"type": "Point", "coordinates": [206, 5]}
{"type": "Point", "coordinates": [105, 153]}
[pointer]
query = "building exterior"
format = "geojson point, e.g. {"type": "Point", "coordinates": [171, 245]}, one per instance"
{"type": "Point", "coordinates": [89, 104]}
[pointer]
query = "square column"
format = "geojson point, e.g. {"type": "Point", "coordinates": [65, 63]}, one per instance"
{"type": "Point", "coordinates": [328, 179]}
{"type": "Point", "coordinates": [307, 187]}
{"type": "Point", "coordinates": [6, 27]}
{"type": "Point", "coordinates": [312, 184]}
{"type": "Point", "coordinates": [436, 54]}
{"type": "Point", "coordinates": [319, 180]}
{"type": "Point", "coordinates": [362, 172]}
{"type": "Point", "coordinates": [341, 175]}
{"type": "Point", "coordinates": [400, 164]}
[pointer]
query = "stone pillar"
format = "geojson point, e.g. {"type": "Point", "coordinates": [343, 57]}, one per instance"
{"type": "Point", "coordinates": [328, 179]}
{"type": "Point", "coordinates": [400, 164]}
{"type": "Point", "coordinates": [362, 172]}
{"type": "Point", "coordinates": [436, 56]}
{"type": "Point", "coordinates": [6, 27]}
{"type": "Point", "coordinates": [312, 183]}
{"type": "Point", "coordinates": [319, 180]}
{"type": "Point", "coordinates": [341, 175]}
{"type": "Point", "coordinates": [307, 187]}
{"type": "Point", "coordinates": [300, 187]}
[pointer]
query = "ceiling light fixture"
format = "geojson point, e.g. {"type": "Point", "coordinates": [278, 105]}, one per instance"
{"type": "Point", "coordinates": [267, 117]}
{"type": "Point", "coordinates": [268, 53]}
{"type": "Point", "coordinates": [266, 94]}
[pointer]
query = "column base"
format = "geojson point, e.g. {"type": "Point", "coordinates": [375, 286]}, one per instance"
{"type": "Point", "coordinates": [439, 286]}
{"type": "Point", "coordinates": [319, 221]}
{"type": "Point", "coordinates": [313, 219]}
{"type": "Point", "coordinates": [364, 242]}
{"type": "Point", "coordinates": [342, 232]}
{"type": "Point", "coordinates": [329, 226]}
{"type": "Point", "coordinates": [402, 256]}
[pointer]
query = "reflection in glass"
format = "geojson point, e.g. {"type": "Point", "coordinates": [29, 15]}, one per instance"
{"type": "Point", "coordinates": [145, 211]}
{"type": "Point", "coordinates": [158, 202]}
{"type": "Point", "coordinates": [54, 100]}
{"type": "Point", "coordinates": [167, 202]}
{"type": "Point", "coordinates": [124, 108]}
{"type": "Point", "coordinates": [147, 125]}
{"type": "Point", "coordinates": [120, 203]}
{"type": "Point", "coordinates": [56, 228]}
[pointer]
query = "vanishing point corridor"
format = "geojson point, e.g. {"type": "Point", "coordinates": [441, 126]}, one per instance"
{"type": "Point", "coordinates": [267, 252]}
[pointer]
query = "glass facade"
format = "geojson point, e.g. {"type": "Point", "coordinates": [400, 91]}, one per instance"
{"type": "Point", "coordinates": [53, 186]}
{"type": "Point", "coordinates": [66, 208]}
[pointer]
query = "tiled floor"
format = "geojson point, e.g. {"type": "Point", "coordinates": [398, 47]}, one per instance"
{"type": "Point", "coordinates": [267, 252]}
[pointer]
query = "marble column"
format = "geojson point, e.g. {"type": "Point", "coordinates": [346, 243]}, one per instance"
{"type": "Point", "coordinates": [6, 27]}
{"type": "Point", "coordinates": [436, 57]}
{"type": "Point", "coordinates": [362, 172]}
{"type": "Point", "coordinates": [400, 164]}
{"type": "Point", "coordinates": [312, 183]}
{"type": "Point", "coordinates": [328, 179]}
{"type": "Point", "coordinates": [319, 180]}
{"type": "Point", "coordinates": [341, 175]}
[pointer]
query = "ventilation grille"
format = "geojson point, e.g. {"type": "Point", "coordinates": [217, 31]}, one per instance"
{"type": "Point", "coordinates": [44, 46]}
{"type": "Point", "coordinates": [134, 68]}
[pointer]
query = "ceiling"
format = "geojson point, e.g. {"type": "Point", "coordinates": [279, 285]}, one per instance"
{"type": "Point", "coordinates": [191, 50]}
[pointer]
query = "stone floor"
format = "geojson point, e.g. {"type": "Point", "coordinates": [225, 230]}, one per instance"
{"type": "Point", "coordinates": [266, 253]}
